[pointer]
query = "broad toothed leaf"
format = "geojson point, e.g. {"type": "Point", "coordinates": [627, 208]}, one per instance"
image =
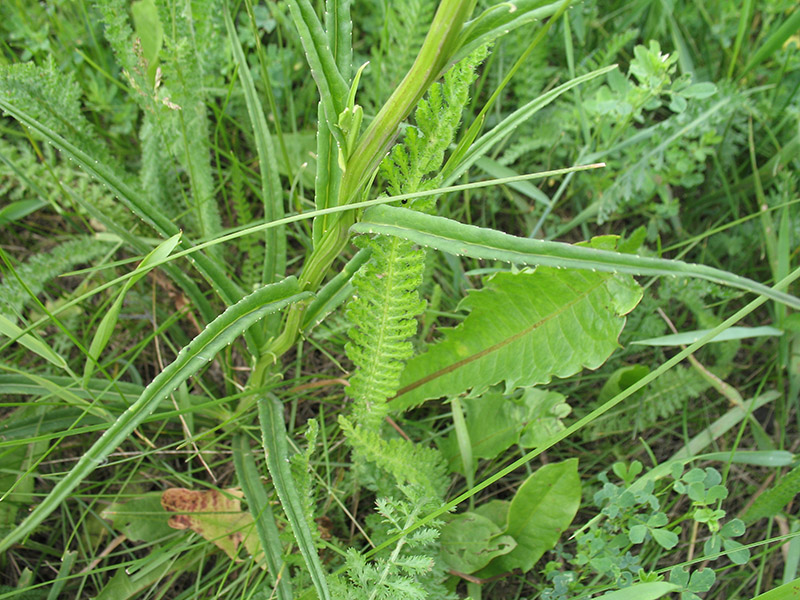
{"type": "Point", "coordinates": [524, 328]}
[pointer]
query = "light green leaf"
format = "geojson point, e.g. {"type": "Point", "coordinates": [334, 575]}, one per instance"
{"type": "Point", "coordinates": [218, 334]}
{"type": "Point", "coordinates": [704, 89]}
{"type": "Point", "coordinates": [491, 424]}
{"type": "Point", "coordinates": [500, 19]}
{"type": "Point", "coordinates": [787, 591]}
{"type": "Point", "coordinates": [15, 211]}
{"type": "Point", "coordinates": [496, 511]}
{"type": "Point", "coordinates": [540, 512]}
{"type": "Point", "coordinates": [524, 328]}
{"type": "Point", "coordinates": [690, 337]}
{"type": "Point", "coordinates": [470, 541]}
{"type": "Point", "coordinates": [457, 238]}
{"type": "Point", "coordinates": [664, 537]}
{"type": "Point", "coordinates": [541, 412]}
{"type": "Point", "coordinates": [11, 330]}
{"type": "Point", "coordinates": [620, 380]}
{"type": "Point", "coordinates": [109, 320]}
{"type": "Point", "coordinates": [642, 591]}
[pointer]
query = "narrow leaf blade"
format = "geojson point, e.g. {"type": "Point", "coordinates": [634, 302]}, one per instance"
{"type": "Point", "coordinates": [220, 332]}
{"type": "Point", "coordinates": [109, 320]}
{"type": "Point", "coordinates": [10, 329]}
{"type": "Point", "coordinates": [457, 238]}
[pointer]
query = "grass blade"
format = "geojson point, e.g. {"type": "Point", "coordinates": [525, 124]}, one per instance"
{"type": "Point", "coordinates": [259, 506]}
{"type": "Point", "coordinates": [271, 190]}
{"type": "Point", "coordinates": [500, 19]}
{"type": "Point", "coordinates": [222, 331]}
{"type": "Point", "coordinates": [774, 42]}
{"type": "Point", "coordinates": [463, 161]}
{"type": "Point", "coordinates": [333, 89]}
{"type": "Point", "coordinates": [216, 275]}
{"type": "Point", "coordinates": [10, 329]}
{"type": "Point", "coordinates": [273, 430]}
{"type": "Point", "coordinates": [456, 238]}
{"type": "Point", "coordinates": [109, 320]}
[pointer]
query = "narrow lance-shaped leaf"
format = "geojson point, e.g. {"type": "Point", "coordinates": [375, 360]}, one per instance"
{"type": "Point", "coordinates": [339, 29]}
{"type": "Point", "coordinates": [133, 200]}
{"type": "Point", "coordinates": [258, 503]}
{"type": "Point", "coordinates": [457, 238]}
{"type": "Point", "coordinates": [524, 328]}
{"type": "Point", "coordinates": [500, 19]}
{"type": "Point", "coordinates": [10, 329]}
{"type": "Point", "coordinates": [220, 332]}
{"type": "Point", "coordinates": [273, 431]}
{"type": "Point", "coordinates": [332, 86]}
{"type": "Point", "coordinates": [328, 177]}
{"type": "Point", "coordinates": [271, 189]}
{"type": "Point", "coordinates": [109, 320]}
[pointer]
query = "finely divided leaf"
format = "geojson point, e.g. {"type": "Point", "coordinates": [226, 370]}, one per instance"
{"type": "Point", "coordinates": [524, 328]}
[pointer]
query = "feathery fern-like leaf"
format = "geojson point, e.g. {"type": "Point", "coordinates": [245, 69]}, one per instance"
{"type": "Point", "coordinates": [409, 463]}
{"type": "Point", "coordinates": [183, 74]}
{"type": "Point", "coordinates": [386, 304]}
{"type": "Point", "coordinates": [43, 267]}
{"type": "Point", "coordinates": [659, 400]}
{"type": "Point", "coordinates": [407, 570]}
{"type": "Point", "coordinates": [402, 31]}
{"type": "Point", "coordinates": [772, 501]}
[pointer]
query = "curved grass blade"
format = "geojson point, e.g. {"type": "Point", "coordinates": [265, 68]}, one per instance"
{"type": "Point", "coordinates": [774, 42]}
{"type": "Point", "coordinates": [271, 190]}
{"type": "Point", "coordinates": [500, 19]}
{"type": "Point", "coordinates": [333, 89]}
{"type": "Point", "coordinates": [688, 337]}
{"type": "Point", "coordinates": [259, 506]}
{"type": "Point", "coordinates": [220, 332]}
{"type": "Point", "coordinates": [109, 320]}
{"type": "Point", "coordinates": [10, 329]}
{"type": "Point", "coordinates": [210, 269]}
{"type": "Point", "coordinates": [463, 158]}
{"type": "Point", "coordinates": [273, 430]}
{"type": "Point", "coordinates": [457, 238]}
{"type": "Point", "coordinates": [88, 405]}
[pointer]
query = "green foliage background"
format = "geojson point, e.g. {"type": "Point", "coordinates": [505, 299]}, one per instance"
{"type": "Point", "coordinates": [273, 359]}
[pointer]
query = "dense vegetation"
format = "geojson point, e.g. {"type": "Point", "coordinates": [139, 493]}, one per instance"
{"type": "Point", "coordinates": [393, 300]}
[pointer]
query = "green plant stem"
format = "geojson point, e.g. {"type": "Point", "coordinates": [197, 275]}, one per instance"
{"type": "Point", "coordinates": [439, 47]}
